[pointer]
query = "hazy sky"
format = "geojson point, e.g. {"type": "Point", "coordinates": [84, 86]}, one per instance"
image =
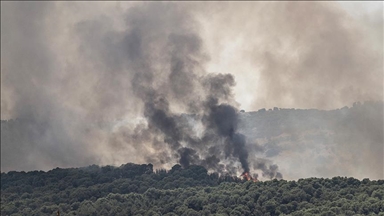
{"type": "Point", "coordinates": [67, 66]}
{"type": "Point", "coordinates": [303, 52]}
{"type": "Point", "coordinates": [245, 39]}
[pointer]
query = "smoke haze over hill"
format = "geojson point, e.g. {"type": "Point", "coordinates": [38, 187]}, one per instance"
{"type": "Point", "coordinates": [70, 68]}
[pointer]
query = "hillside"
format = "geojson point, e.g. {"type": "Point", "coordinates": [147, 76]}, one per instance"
{"type": "Point", "coordinates": [322, 143]}
{"type": "Point", "coordinates": [303, 143]}
{"type": "Point", "coordinates": [133, 189]}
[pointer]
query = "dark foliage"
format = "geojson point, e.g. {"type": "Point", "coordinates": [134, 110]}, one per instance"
{"type": "Point", "coordinates": [138, 190]}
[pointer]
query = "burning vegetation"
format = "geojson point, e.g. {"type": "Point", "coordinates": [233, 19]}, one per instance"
{"type": "Point", "coordinates": [247, 176]}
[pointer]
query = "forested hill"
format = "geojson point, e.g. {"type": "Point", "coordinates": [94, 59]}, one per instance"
{"type": "Point", "coordinates": [133, 189]}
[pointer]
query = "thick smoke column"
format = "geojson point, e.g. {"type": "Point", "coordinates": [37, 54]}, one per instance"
{"type": "Point", "coordinates": [184, 84]}
{"type": "Point", "coordinates": [225, 120]}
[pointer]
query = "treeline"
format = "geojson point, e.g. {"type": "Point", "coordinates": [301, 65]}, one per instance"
{"type": "Point", "coordinates": [41, 193]}
{"type": "Point", "coordinates": [138, 190]}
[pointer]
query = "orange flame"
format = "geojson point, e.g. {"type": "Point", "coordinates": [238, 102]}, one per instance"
{"type": "Point", "coordinates": [248, 177]}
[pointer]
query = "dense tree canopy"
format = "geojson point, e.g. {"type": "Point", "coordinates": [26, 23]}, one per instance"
{"type": "Point", "coordinates": [138, 190]}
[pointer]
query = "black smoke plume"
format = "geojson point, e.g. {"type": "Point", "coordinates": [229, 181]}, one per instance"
{"type": "Point", "coordinates": [182, 84]}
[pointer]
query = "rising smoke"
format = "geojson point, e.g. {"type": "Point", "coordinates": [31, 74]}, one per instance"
{"type": "Point", "coordinates": [71, 74]}
{"type": "Point", "coordinates": [182, 83]}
